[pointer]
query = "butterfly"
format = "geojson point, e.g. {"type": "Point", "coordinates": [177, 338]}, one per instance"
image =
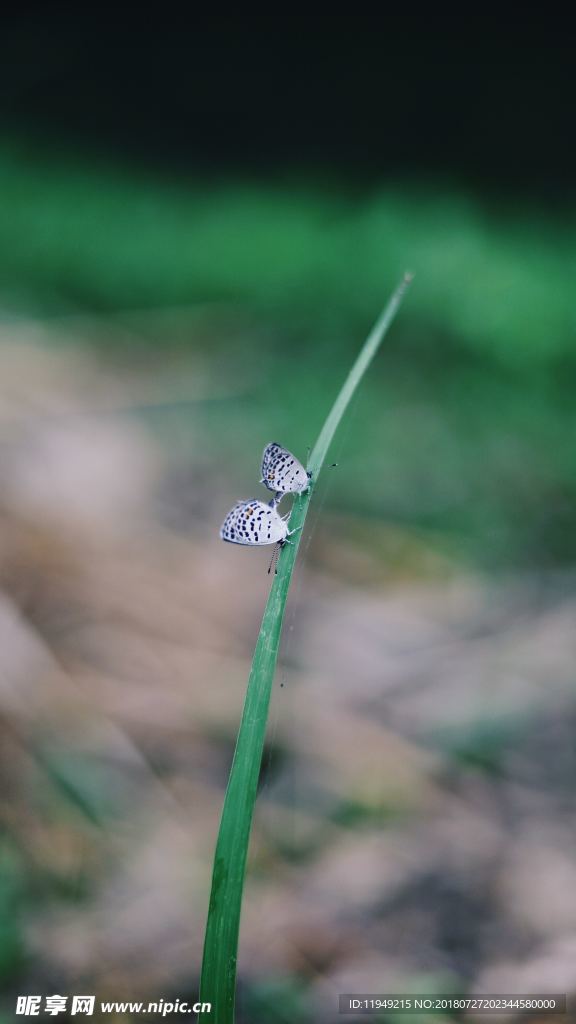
{"type": "Point", "coordinates": [255, 523]}
{"type": "Point", "coordinates": [281, 471]}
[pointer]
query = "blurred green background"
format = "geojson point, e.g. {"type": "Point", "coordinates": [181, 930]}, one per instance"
{"type": "Point", "coordinates": [468, 417]}
{"type": "Point", "coordinates": [199, 222]}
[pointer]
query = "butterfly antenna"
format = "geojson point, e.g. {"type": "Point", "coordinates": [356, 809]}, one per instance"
{"type": "Point", "coordinates": [275, 554]}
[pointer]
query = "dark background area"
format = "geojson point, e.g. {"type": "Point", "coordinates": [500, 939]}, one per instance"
{"type": "Point", "coordinates": [483, 100]}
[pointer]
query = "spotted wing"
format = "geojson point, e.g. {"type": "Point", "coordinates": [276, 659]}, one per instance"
{"type": "Point", "coordinates": [281, 471]}
{"type": "Point", "coordinates": [253, 522]}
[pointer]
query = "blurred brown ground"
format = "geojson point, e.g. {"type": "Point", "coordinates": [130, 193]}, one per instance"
{"type": "Point", "coordinates": [416, 820]}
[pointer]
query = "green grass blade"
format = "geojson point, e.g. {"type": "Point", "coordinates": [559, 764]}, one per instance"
{"type": "Point", "coordinates": [218, 981]}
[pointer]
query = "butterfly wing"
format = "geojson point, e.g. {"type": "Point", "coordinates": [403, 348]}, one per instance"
{"type": "Point", "coordinates": [253, 523]}
{"type": "Point", "coordinates": [282, 472]}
